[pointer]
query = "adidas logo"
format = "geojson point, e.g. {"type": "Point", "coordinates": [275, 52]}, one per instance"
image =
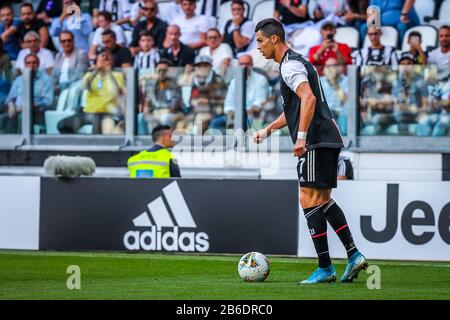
{"type": "Point", "coordinates": [164, 231]}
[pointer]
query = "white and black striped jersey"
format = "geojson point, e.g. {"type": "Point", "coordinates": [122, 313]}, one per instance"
{"type": "Point", "coordinates": [323, 131]}
{"type": "Point", "coordinates": [386, 55]}
{"type": "Point", "coordinates": [147, 60]}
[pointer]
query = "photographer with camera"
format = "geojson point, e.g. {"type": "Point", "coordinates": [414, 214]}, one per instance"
{"type": "Point", "coordinates": [318, 55]}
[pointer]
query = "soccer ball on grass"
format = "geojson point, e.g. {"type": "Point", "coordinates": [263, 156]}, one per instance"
{"type": "Point", "coordinates": [253, 267]}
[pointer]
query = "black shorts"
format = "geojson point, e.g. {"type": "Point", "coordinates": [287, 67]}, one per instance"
{"type": "Point", "coordinates": [317, 168]}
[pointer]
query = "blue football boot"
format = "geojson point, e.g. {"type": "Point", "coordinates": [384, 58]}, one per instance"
{"type": "Point", "coordinates": [321, 275]}
{"type": "Point", "coordinates": [356, 263]}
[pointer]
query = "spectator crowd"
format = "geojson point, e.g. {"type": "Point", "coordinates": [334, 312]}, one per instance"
{"type": "Point", "coordinates": [185, 59]}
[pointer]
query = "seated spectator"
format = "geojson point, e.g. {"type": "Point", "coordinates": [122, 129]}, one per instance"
{"type": "Point", "coordinates": [220, 53]}
{"type": "Point", "coordinates": [207, 94]}
{"type": "Point", "coordinates": [376, 54]}
{"type": "Point", "coordinates": [345, 168]}
{"type": "Point", "coordinates": [8, 32]}
{"type": "Point", "coordinates": [63, 23]}
{"type": "Point", "coordinates": [399, 14]}
{"type": "Point", "coordinates": [335, 89]}
{"type": "Point", "coordinates": [161, 100]}
{"type": "Point", "coordinates": [32, 42]}
{"type": "Point", "coordinates": [194, 26]}
{"type": "Point", "coordinates": [153, 24]}
{"type": "Point", "coordinates": [29, 22]}
{"type": "Point", "coordinates": [119, 10]}
{"type": "Point", "coordinates": [239, 32]}
{"type": "Point", "coordinates": [42, 96]}
{"type": "Point", "coordinates": [148, 56]}
{"type": "Point", "coordinates": [257, 94]}
{"type": "Point", "coordinates": [48, 9]}
{"type": "Point", "coordinates": [103, 107]}
{"type": "Point", "coordinates": [136, 12]}
{"type": "Point", "coordinates": [318, 55]}
{"type": "Point", "coordinates": [441, 55]}
{"type": "Point", "coordinates": [356, 15]}
{"type": "Point", "coordinates": [177, 52]}
{"type": "Point", "coordinates": [121, 55]}
{"type": "Point", "coordinates": [105, 23]}
{"type": "Point", "coordinates": [70, 64]}
{"type": "Point", "coordinates": [415, 48]}
{"type": "Point", "coordinates": [319, 9]}
{"type": "Point", "coordinates": [291, 11]}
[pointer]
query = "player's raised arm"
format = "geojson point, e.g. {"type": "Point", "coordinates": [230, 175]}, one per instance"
{"type": "Point", "coordinates": [307, 107]}
{"type": "Point", "coordinates": [277, 124]}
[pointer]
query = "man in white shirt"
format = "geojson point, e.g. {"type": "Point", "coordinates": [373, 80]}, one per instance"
{"type": "Point", "coordinates": [257, 93]}
{"type": "Point", "coordinates": [32, 42]}
{"type": "Point", "coordinates": [193, 26]}
{"type": "Point", "coordinates": [441, 55]}
{"type": "Point", "coordinates": [220, 53]}
{"type": "Point", "coordinates": [105, 23]}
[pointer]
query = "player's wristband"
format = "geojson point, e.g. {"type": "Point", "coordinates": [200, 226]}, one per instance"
{"type": "Point", "coordinates": [301, 135]}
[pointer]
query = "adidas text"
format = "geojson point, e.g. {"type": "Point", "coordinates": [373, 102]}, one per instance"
{"type": "Point", "coordinates": [168, 239]}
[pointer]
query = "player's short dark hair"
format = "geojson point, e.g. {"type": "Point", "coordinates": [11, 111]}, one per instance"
{"type": "Point", "coordinates": [415, 34]}
{"type": "Point", "coordinates": [158, 131]}
{"type": "Point", "coordinates": [271, 27]}
{"type": "Point", "coordinates": [109, 32]}
{"type": "Point", "coordinates": [445, 26]}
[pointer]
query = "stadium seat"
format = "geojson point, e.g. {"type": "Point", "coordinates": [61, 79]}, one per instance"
{"type": "Point", "coordinates": [348, 35]}
{"type": "Point", "coordinates": [262, 10]}
{"type": "Point", "coordinates": [443, 16]}
{"type": "Point", "coordinates": [429, 37]}
{"type": "Point", "coordinates": [389, 37]}
{"type": "Point", "coordinates": [424, 9]}
{"type": "Point", "coordinates": [69, 101]}
{"type": "Point", "coordinates": [225, 13]}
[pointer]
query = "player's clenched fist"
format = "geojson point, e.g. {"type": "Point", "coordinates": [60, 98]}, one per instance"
{"type": "Point", "coordinates": [260, 135]}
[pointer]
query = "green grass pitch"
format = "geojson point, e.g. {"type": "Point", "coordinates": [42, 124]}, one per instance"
{"type": "Point", "coordinates": [42, 275]}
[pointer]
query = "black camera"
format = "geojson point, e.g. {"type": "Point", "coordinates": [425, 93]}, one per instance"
{"type": "Point", "coordinates": [330, 37]}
